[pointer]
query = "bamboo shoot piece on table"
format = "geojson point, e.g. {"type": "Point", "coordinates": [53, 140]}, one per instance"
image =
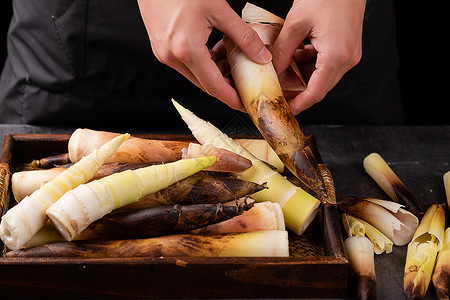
{"type": "Point", "coordinates": [422, 251]}
{"type": "Point", "coordinates": [391, 184]}
{"type": "Point", "coordinates": [25, 219]}
{"type": "Point", "coordinates": [262, 96]}
{"type": "Point", "coordinates": [257, 244]}
{"type": "Point", "coordinates": [299, 207]}
{"type": "Point", "coordinates": [360, 255]}
{"type": "Point", "coordinates": [396, 223]}
{"type": "Point", "coordinates": [441, 274]}
{"type": "Point", "coordinates": [78, 208]}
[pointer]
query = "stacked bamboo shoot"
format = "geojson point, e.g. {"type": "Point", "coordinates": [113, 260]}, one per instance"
{"type": "Point", "coordinates": [78, 208]}
{"type": "Point", "coordinates": [299, 207]}
{"type": "Point", "coordinates": [25, 219]}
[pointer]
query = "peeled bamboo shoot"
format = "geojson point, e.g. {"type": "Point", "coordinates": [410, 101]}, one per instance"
{"type": "Point", "coordinates": [25, 219]}
{"type": "Point", "coordinates": [422, 251]}
{"type": "Point", "coordinates": [299, 207]}
{"type": "Point", "coordinates": [78, 208]}
{"type": "Point", "coordinates": [391, 184]}
{"type": "Point", "coordinates": [360, 254]}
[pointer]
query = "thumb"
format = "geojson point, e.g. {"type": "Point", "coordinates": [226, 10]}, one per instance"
{"type": "Point", "coordinates": [245, 37]}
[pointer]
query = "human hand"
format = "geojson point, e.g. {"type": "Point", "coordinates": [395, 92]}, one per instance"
{"type": "Point", "coordinates": [179, 30]}
{"type": "Point", "coordinates": [335, 31]}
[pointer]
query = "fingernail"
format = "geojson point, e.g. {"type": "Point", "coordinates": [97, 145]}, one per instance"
{"type": "Point", "coordinates": [265, 56]}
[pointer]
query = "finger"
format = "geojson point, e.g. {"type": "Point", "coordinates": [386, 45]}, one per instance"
{"type": "Point", "coordinates": [224, 67]}
{"type": "Point", "coordinates": [211, 79]}
{"type": "Point", "coordinates": [246, 38]}
{"type": "Point", "coordinates": [305, 56]}
{"type": "Point", "coordinates": [286, 44]}
{"type": "Point", "coordinates": [322, 80]}
{"type": "Point", "coordinates": [219, 51]}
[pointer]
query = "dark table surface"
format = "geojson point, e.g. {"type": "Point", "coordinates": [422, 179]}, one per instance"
{"type": "Point", "coordinates": [420, 155]}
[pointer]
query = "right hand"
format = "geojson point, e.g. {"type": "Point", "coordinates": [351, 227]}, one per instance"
{"type": "Point", "coordinates": [178, 32]}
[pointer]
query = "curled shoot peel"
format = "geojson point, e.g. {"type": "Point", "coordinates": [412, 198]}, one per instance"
{"type": "Point", "coordinates": [422, 252]}
{"type": "Point", "coordinates": [268, 26]}
{"type": "Point", "coordinates": [25, 219]}
{"type": "Point", "coordinates": [353, 226]}
{"type": "Point", "coordinates": [299, 207]}
{"type": "Point", "coordinates": [397, 224]}
{"type": "Point", "coordinates": [79, 207]}
{"type": "Point", "coordinates": [391, 184]}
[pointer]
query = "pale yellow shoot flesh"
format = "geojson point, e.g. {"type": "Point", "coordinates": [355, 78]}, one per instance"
{"type": "Point", "coordinates": [25, 219]}
{"type": "Point", "coordinates": [79, 207]}
{"type": "Point", "coordinates": [422, 251]}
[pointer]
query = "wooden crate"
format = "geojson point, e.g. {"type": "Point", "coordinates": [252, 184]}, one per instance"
{"type": "Point", "coordinates": [316, 266]}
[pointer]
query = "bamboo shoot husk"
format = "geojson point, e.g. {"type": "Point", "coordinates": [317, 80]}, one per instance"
{"type": "Point", "coordinates": [262, 216]}
{"type": "Point", "coordinates": [397, 224]}
{"type": "Point", "coordinates": [135, 150]}
{"type": "Point", "coordinates": [227, 161]}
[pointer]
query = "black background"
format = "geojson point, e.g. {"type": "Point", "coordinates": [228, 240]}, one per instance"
{"type": "Point", "coordinates": [422, 73]}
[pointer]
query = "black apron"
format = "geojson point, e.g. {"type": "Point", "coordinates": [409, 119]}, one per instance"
{"type": "Point", "coordinates": [88, 63]}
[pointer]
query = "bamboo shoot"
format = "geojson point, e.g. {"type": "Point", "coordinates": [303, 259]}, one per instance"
{"type": "Point", "coordinates": [79, 207]}
{"type": "Point", "coordinates": [256, 244]}
{"type": "Point", "coordinates": [299, 207]}
{"type": "Point", "coordinates": [25, 219]}
{"type": "Point", "coordinates": [422, 251]}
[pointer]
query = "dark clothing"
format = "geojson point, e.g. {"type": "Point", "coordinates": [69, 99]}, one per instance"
{"type": "Point", "coordinates": [89, 63]}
